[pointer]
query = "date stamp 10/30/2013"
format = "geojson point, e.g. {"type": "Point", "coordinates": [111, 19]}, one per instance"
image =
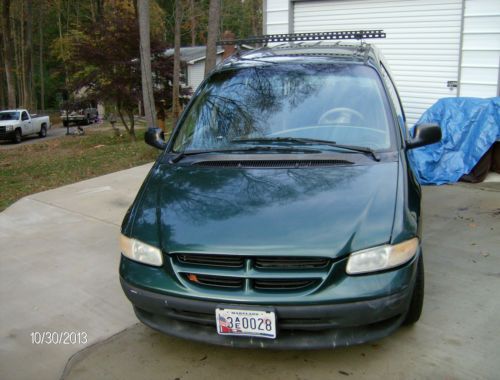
{"type": "Point", "coordinates": [59, 337]}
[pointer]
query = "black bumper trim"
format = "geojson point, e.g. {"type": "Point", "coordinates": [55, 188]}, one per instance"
{"type": "Point", "coordinates": [7, 135]}
{"type": "Point", "coordinates": [341, 324]}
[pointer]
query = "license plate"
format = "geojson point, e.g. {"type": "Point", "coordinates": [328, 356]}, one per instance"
{"type": "Point", "coordinates": [258, 323]}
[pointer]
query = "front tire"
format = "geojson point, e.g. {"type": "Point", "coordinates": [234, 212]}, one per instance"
{"type": "Point", "coordinates": [18, 136]}
{"type": "Point", "coordinates": [417, 299]}
{"type": "Point", "coordinates": [43, 132]}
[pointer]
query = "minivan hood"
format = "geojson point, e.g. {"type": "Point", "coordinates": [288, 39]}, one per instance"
{"type": "Point", "coordinates": [323, 211]}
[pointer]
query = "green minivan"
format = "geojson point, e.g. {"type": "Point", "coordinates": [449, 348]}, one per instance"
{"type": "Point", "coordinates": [283, 211]}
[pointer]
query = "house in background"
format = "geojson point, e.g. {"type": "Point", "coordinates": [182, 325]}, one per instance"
{"type": "Point", "coordinates": [194, 58]}
{"type": "Point", "coordinates": [435, 48]}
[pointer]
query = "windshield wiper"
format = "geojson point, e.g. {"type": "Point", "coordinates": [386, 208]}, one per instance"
{"type": "Point", "coordinates": [183, 154]}
{"type": "Point", "coordinates": [301, 140]}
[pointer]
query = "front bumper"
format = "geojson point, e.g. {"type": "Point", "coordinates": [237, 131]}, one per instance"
{"type": "Point", "coordinates": [299, 326]}
{"type": "Point", "coordinates": [4, 135]}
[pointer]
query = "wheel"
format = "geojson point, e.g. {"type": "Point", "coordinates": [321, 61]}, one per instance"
{"type": "Point", "coordinates": [18, 136]}
{"type": "Point", "coordinates": [43, 131]}
{"type": "Point", "coordinates": [65, 123]}
{"type": "Point", "coordinates": [417, 298]}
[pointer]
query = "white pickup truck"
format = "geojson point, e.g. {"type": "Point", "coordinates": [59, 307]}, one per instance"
{"type": "Point", "coordinates": [15, 124]}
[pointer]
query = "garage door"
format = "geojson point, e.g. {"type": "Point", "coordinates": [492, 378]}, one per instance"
{"type": "Point", "coordinates": [422, 44]}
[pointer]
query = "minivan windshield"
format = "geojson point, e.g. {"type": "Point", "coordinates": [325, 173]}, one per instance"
{"type": "Point", "coordinates": [341, 103]}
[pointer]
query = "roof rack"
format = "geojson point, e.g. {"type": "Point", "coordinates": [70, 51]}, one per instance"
{"type": "Point", "coordinates": [299, 37]}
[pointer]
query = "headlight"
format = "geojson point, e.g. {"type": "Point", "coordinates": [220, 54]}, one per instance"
{"type": "Point", "coordinates": [141, 252]}
{"type": "Point", "coordinates": [382, 257]}
{"type": "Point", "coordinates": [9, 128]}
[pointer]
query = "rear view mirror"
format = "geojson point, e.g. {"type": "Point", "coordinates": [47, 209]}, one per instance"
{"type": "Point", "coordinates": [425, 134]}
{"type": "Point", "coordinates": [155, 137]}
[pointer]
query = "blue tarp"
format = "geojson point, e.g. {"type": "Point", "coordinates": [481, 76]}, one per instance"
{"type": "Point", "coordinates": [469, 126]}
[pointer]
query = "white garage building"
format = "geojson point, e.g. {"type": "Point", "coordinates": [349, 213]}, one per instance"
{"type": "Point", "coordinates": [435, 48]}
{"type": "Point", "coordinates": [194, 59]}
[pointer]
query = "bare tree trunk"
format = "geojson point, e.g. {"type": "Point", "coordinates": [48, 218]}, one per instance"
{"type": "Point", "coordinates": [146, 76]}
{"type": "Point", "coordinates": [28, 60]}
{"type": "Point", "coordinates": [7, 53]}
{"type": "Point", "coordinates": [67, 16]}
{"type": "Point", "coordinates": [130, 128]}
{"type": "Point", "coordinates": [192, 18]}
{"type": "Point", "coordinates": [100, 9]}
{"type": "Point", "coordinates": [131, 119]}
{"type": "Point", "coordinates": [213, 32]}
{"type": "Point", "coordinates": [92, 12]}
{"type": "Point", "coordinates": [22, 49]}
{"type": "Point", "coordinates": [256, 25]}
{"type": "Point", "coordinates": [18, 52]}
{"type": "Point", "coordinates": [120, 113]}
{"type": "Point", "coordinates": [59, 27]}
{"type": "Point", "coordinates": [77, 14]}
{"type": "Point", "coordinates": [42, 77]}
{"type": "Point", "coordinates": [177, 63]}
{"type": "Point", "coordinates": [2, 90]}
{"type": "Point", "coordinates": [17, 64]}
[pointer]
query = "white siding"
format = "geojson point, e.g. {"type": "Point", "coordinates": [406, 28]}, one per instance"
{"type": "Point", "coordinates": [422, 45]}
{"type": "Point", "coordinates": [196, 73]}
{"type": "Point", "coordinates": [480, 49]}
{"type": "Point", "coordinates": [276, 16]}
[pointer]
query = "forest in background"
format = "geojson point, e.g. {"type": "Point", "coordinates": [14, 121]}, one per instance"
{"type": "Point", "coordinates": [55, 46]}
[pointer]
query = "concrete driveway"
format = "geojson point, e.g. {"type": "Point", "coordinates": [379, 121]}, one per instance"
{"type": "Point", "coordinates": [58, 272]}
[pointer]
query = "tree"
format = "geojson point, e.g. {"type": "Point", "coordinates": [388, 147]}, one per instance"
{"type": "Point", "coordinates": [41, 65]}
{"type": "Point", "coordinates": [7, 54]}
{"type": "Point", "coordinates": [176, 109]}
{"type": "Point", "coordinates": [37, 66]}
{"type": "Point", "coordinates": [242, 17]}
{"type": "Point", "coordinates": [28, 67]}
{"type": "Point", "coordinates": [213, 33]}
{"type": "Point", "coordinates": [145, 51]}
{"type": "Point", "coordinates": [103, 59]}
{"type": "Point", "coordinates": [192, 21]}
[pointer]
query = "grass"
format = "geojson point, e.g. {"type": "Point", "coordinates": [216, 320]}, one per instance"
{"type": "Point", "coordinates": [37, 167]}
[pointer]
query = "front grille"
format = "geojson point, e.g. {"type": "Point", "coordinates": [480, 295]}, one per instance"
{"type": "Point", "coordinates": [216, 281]}
{"type": "Point", "coordinates": [271, 163]}
{"type": "Point", "coordinates": [291, 262]}
{"type": "Point", "coordinates": [287, 284]}
{"type": "Point", "coordinates": [251, 273]}
{"type": "Point", "coordinates": [212, 260]}
{"type": "Point", "coordinates": [3, 131]}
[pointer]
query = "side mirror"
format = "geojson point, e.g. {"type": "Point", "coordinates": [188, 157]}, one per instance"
{"type": "Point", "coordinates": [155, 137]}
{"type": "Point", "coordinates": [425, 134]}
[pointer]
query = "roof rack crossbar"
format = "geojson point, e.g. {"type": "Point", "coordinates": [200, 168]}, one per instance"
{"type": "Point", "coordinates": [316, 36]}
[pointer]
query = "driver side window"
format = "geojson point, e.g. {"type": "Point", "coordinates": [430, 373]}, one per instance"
{"type": "Point", "coordinates": [24, 116]}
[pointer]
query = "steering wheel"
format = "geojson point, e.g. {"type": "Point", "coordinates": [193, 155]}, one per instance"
{"type": "Point", "coordinates": [342, 115]}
